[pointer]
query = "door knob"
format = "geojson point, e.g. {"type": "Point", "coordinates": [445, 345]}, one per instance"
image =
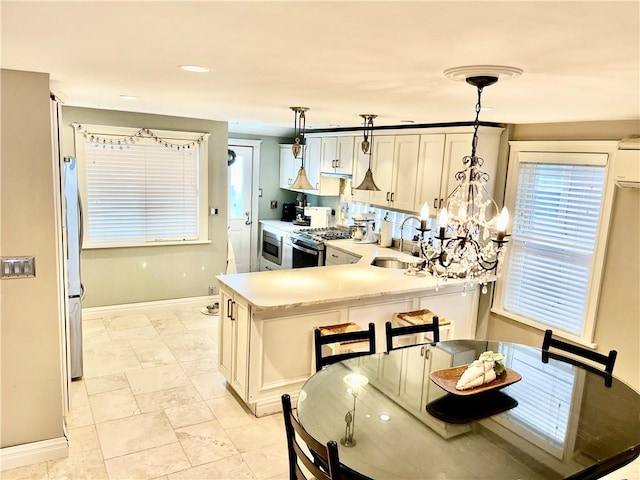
{"type": "Point", "coordinates": [248, 220]}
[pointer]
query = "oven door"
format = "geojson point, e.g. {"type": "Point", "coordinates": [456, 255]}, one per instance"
{"type": "Point", "coordinates": [306, 255]}
{"type": "Point", "coordinates": [272, 247]}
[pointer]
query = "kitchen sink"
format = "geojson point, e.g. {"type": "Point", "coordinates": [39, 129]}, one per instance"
{"type": "Point", "coordinates": [389, 262]}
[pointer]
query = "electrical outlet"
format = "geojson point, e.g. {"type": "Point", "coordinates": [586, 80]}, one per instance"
{"type": "Point", "coordinates": [213, 290]}
{"type": "Point", "coordinates": [274, 204]}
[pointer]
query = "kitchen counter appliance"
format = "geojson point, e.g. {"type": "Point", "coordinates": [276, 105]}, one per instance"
{"type": "Point", "coordinates": [363, 228]}
{"type": "Point", "coordinates": [308, 245]}
{"type": "Point", "coordinates": [288, 212]}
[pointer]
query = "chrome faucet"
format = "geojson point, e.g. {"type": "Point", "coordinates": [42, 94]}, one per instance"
{"type": "Point", "coordinates": [401, 245]}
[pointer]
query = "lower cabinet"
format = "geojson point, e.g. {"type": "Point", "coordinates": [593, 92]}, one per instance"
{"type": "Point", "coordinates": [265, 353]}
{"type": "Point", "coordinates": [233, 330]}
{"type": "Point", "coordinates": [333, 256]}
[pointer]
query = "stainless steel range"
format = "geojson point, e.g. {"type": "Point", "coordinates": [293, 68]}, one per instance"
{"type": "Point", "coordinates": [308, 244]}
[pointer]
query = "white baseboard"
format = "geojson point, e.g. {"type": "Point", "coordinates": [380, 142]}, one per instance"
{"type": "Point", "coordinates": [31, 453]}
{"type": "Point", "coordinates": [91, 313]}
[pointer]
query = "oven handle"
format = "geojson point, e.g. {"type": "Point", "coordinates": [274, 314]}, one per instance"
{"type": "Point", "coordinates": [310, 251]}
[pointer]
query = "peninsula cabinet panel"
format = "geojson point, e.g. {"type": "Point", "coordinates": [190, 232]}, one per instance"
{"type": "Point", "coordinates": [281, 355]}
{"type": "Point", "coordinates": [461, 309]}
{"type": "Point", "coordinates": [233, 330]}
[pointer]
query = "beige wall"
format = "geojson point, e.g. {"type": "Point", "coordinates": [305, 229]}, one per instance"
{"type": "Point", "coordinates": [115, 276]}
{"type": "Point", "coordinates": [618, 318]}
{"type": "Point", "coordinates": [32, 407]}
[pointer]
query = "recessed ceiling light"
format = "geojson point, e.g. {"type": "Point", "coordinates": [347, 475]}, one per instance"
{"type": "Point", "coordinates": [128, 97]}
{"type": "Point", "coordinates": [194, 68]}
{"type": "Point", "coordinates": [407, 121]}
{"type": "Point", "coordinates": [333, 125]}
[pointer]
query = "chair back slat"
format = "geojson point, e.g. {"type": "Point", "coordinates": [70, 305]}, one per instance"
{"type": "Point", "coordinates": [324, 463]}
{"type": "Point", "coordinates": [368, 335]}
{"type": "Point", "coordinates": [608, 361]}
{"type": "Point", "coordinates": [393, 332]}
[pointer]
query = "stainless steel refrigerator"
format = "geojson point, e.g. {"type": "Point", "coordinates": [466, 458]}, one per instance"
{"type": "Point", "coordinates": [72, 241]}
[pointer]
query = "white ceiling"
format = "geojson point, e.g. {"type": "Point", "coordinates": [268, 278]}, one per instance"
{"type": "Point", "coordinates": [581, 59]}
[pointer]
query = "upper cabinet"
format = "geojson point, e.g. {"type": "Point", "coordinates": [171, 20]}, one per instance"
{"type": "Point", "coordinates": [396, 171]}
{"type": "Point", "coordinates": [441, 158]}
{"type": "Point", "coordinates": [289, 166]}
{"type": "Point", "coordinates": [408, 168]}
{"type": "Point", "coordinates": [360, 167]}
{"type": "Point", "coordinates": [337, 155]}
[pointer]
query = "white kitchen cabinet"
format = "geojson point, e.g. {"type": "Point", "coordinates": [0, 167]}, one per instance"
{"type": "Point", "coordinates": [430, 161]}
{"type": "Point", "coordinates": [462, 309]}
{"type": "Point", "coordinates": [233, 329]}
{"type": "Point", "coordinates": [382, 167]}
{"type": "Point", "coordinates": [333, 256]}
{"type": "Point", "coordinates": [289, 166]}
{"type": "Point", "coordinates": [441, 158]}
{"type": "Point", "coordinates": [396, 171]}
{"type": "Point", "coordinates": [360, 167]}
{"type": "Point", "coordinates": [325, 186]}
{"type": "Point", "coordinates": [337, 155]}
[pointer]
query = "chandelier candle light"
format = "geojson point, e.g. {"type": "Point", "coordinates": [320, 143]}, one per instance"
{"type": "Point", "coordinates": [476, 244]}
{"type": "Point", "coordinates": [298, 149]}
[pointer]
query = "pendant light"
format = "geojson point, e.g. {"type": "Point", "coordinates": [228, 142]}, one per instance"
{"type": "Point", "coordinates": [471, 235]}
{"type": "Point", "coordinates": [301, 182]}
{"type": "Point", "coordinates": [367, 148]}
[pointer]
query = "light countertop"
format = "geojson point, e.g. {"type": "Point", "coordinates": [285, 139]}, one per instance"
{"type": "Point", "coordinates": [330, 284]}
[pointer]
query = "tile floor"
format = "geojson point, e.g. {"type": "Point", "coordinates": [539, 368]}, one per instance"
{"type": "Point", "coordinates": [152, 405]}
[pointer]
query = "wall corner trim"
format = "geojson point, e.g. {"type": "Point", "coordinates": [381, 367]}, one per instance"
{"type": "Point", "coordinates": [34, 452]}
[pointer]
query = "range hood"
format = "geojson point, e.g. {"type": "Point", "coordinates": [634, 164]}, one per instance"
{"type": "Point", "coordinates": [336, 175]}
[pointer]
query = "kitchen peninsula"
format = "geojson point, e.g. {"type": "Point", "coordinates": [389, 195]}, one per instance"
{"type": "Point", "coordinates": [267, 318]}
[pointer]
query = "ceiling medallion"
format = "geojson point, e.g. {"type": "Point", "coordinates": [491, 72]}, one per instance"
{"type": "Point", "coordinates": [460, 74]}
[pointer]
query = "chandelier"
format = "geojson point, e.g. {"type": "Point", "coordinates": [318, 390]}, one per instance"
{"type": "Point", "coordinates": [471, 231]}
{"type": "Point", "coordinates": [367, 149]}
{"type": "Point", "coordinates": [301, 182]}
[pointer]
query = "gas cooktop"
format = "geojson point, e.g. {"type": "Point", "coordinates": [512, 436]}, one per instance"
{"type": "Point", "coordinates": [321, 234]}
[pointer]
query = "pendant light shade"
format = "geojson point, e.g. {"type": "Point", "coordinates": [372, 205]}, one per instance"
{"type": "Point", "coordinates": [368, 183]}
{"type": "Point", "coordinates": [367, 148]}
{"type": "Point", "coordinates": [301, 182]}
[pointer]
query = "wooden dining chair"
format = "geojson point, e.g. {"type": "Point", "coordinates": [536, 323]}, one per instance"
{"type": "Point", "coordinates": [324, 463]}
{"type": "Point", "coordinates": [352, 344]}
{"type": "Point", "coordinates": [607, 360]}
{"type": "Point", "coordinates": [419, 328]}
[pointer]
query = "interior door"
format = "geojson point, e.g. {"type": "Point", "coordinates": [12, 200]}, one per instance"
{"type": "Point", "coordinates": [240, 216]}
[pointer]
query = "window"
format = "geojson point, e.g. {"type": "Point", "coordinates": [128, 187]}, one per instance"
{"type": "Point", "coordinates": [142, 187]}
{"type": "Point", "coordinates": [560, 203]}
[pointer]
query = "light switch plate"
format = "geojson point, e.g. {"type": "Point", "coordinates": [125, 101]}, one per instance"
{"type": "Point", "coordinates": [18, 267]}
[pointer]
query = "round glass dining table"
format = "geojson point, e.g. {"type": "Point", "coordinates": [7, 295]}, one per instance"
{"type": "Point", "coordinates": [554, 419]}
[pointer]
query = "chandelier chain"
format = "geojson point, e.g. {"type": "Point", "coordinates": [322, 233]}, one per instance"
{"type": "Point", "coordinates": [476, 124]}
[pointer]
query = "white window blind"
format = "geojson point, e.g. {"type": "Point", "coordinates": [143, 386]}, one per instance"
{"type": "Point", "coordinates": [141, 193]}
{"type": "Point", "coordinates": [554, 236]}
